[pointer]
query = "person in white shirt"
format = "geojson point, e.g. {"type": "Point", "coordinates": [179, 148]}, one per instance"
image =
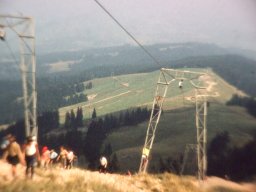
{"type": "Point", "coordinates": [103, 164]}
{"type": "Point", "coordinates": [31, 155]}
{"type": "Point", "coordinates": [70, 159]}
{"type": "Point", "coordinates": [181, 84]}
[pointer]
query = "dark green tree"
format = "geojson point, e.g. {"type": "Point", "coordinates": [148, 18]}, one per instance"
{"type": "Point", "coordinates": [121, 119]}
{"type": "Point", "coordinates": [242, 162]}
{"type": "Point", "coordinates": [73, 120]}
{"type": "Point", "coordinates": [218, 155]}
{"type": "Point", "coordinates": [88, 85]}
{"type": "Point", "coordinates": [79, 117]}
{"type": "Point", "coordinates": [107, 150]}
{"type": "Point", "coordinates": [67, 123]}
{"type": "Point", "coordinates": [48, 121]}
{"type": "Point", "coordinates": [114, 164]}
{"type": "Point", "coordinates": [94, 115]}
{"type": "Point", "coordinates": [127, 118]}
{"type": "Point", "coordinates": [93, 142]}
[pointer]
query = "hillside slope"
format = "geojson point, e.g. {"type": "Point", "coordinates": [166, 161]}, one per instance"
{"type": "Point", "coordinates": [177, 124]}
{"type": "Point", "coordinates": [175, 130]}
{"type": "Point", "coordinates": [59, 180]}
{"type": "Point", "coordinates": [112, 94]}
{"type": "Point", "coordinates": [52, 88]}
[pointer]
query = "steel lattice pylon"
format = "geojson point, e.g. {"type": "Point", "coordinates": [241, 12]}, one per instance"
{"type": "Point", "coordinates": [166, 77]}
{"type": "Point", "coordinates": [23, 27]}
{"type": "Point", "coordinates": [201, 127]}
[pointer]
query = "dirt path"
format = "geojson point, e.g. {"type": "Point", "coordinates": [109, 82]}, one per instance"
{"type": "Point", "coordinates": [210, 85]}
{"type": "Point", "coordinates": [63, 110]}
{"type": "Point", "coordinates": [112, 97]}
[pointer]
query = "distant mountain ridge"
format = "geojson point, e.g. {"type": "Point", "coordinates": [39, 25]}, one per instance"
{"type": "Point", "coordinates": [71, 62]}
{"type": "Point", "coordinates": [130, 55]}
{"type": "Point", "coordinates": [129, 59]}
{"type": "Point", "coordinates": [84, 65]}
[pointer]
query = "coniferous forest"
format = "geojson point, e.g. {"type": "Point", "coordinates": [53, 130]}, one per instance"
{"type": "Point", "coordinates": [247, 102]}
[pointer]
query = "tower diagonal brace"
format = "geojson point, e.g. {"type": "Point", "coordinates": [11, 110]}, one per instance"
{"type": "Point", "coordinates": [160, 93]}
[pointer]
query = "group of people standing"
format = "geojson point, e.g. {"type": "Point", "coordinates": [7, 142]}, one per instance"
{"type": "Point", "coordinates": [29, 155]}
{"type": "Point", "coordinates": [66, 157]}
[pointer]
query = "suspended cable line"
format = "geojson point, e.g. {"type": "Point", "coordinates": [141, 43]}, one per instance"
{"type": "Point", "coordinates": [128, 33]}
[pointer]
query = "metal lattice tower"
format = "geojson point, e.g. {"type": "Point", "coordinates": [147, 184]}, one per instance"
{"type": "Point", "coordinates": [166, 77]}
{"type": "Point", "coordinates": [201, 127]}
{"type": "Point", "coordinates": [24, 28]}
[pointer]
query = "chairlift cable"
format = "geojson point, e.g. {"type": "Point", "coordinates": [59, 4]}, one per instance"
{"type": "Point", "coordinates": [128, 33]}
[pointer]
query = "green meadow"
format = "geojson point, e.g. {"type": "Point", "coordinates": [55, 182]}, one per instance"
{"type": "Point", "coordinates": [116, 93]}
{"type": "Point", "coordinates": [177, 126]}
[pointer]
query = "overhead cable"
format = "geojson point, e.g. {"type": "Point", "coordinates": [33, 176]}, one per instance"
{"type": "Point", "coordinates": [128, 33]}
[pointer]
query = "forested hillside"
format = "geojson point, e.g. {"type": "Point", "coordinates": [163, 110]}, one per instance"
{"type": "Point", "coordinates": [61, 88]}
{"type": "Point", "coordinates": [119, 135]}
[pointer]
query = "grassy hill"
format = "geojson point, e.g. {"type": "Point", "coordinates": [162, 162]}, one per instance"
{"type": "Point", "coordinates": [177, 124]}
{"type": "Point", "coordinates": [59, 180]}
{"type": "Point", "coordinates": [176, 129]}
{"type": "Point", "coordinates": [54, 88]}
{"type": "Point", "coordinates": [111, 94]}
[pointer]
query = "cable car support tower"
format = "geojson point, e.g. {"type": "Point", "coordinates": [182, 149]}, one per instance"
{"type": "Point", "coordinates": [24, 28]}
{"type": "Point", "coordinates": [166, 78]}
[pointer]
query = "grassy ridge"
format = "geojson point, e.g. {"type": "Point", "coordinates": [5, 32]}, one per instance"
{"type": "Point", "coordinates": [59, 180]}
{"type": "Point", "coordinates": [112, 95]}
{"type": "Point", "coordinates": [177, 124]}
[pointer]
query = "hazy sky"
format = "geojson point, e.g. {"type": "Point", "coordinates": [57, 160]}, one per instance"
{"type": "Point", "coordinates": [229, 23]}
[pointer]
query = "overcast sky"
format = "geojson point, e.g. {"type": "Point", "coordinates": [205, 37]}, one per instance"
{"type": "Point", "coordinates": [228, 23]}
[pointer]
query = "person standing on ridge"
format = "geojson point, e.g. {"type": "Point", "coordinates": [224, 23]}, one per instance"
{"type": "Point", "coordinates": [31, 155]}
{"type": "Point", "coordinates": [103, 165]}
{"type": "Point", "coordinates": [13, 154]}
{"type": "Point", "coordinates": [53, 157]}
{"type": "Point", "coordinates": [63, 157]}
{"type": "Point", "coordinates": [181, 84]}
{"type": "Point", "coordinates": [70, 159]}
{"type": "Point", "coordinates": [45, 157]}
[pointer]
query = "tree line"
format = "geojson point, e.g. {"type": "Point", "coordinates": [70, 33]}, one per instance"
{"type": "Point", "coordinates": [92, 144]}
{"type": "Point", "coordinates": [53, 95]}
{"type": "Point", "coordinates": [248, 102]}
{"type": "Point", "coordinates": [227, 161]}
